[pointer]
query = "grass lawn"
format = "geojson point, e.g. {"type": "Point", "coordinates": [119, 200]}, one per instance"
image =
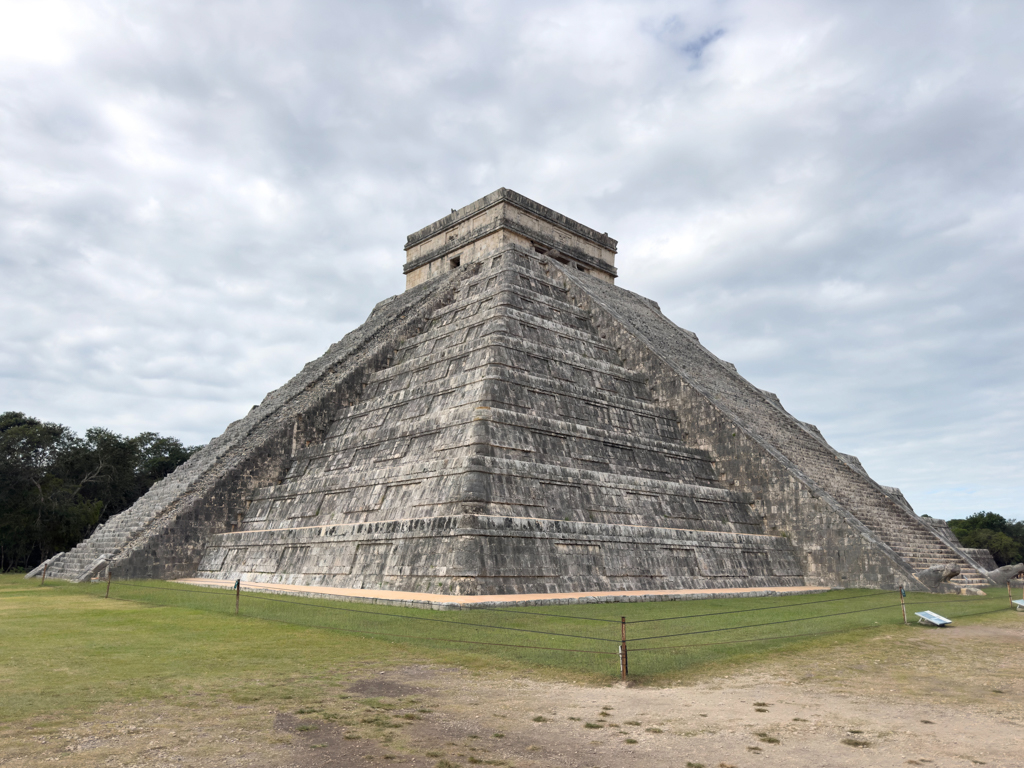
{"type": "Point", "coordinates": [163, 674]}
{"type": "Point", "coordinates": [67, 649]}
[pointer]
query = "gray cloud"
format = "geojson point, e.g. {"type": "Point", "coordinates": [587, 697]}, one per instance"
{"type": "Point", "coordinates": [199, 198]}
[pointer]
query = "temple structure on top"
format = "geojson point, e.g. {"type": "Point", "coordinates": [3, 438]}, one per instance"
{"type": "Point", "coordinates": [502, 219]}
{"type": "Point", "coordinates": [516, 423]}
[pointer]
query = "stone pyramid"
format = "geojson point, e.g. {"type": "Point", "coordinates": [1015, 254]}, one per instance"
{"type": "Point", "coordinates": [514, 423]}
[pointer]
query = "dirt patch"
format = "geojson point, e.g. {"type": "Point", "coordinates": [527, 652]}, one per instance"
{"type": "Point", "coordinates": [985, 632]}
{"type": "Point", "coordinates": [736, 722]}
{"type": "Point", "coordinates": [323, 744]}
{"type": "Point", "coordinates": [917, 696]}
{"type": "Point", "coordinates": [382, 686]}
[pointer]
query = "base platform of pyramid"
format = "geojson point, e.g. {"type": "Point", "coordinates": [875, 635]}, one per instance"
{"type": "Point", "coordinates": [514, 423]}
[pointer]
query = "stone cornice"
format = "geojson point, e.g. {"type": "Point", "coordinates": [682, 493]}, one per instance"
{"type": "Point", "coordinates": [511, 197]}
{"type": "Point", "coordinates": [513, 226]}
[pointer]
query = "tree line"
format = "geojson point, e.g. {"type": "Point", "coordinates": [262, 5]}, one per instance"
{"type": "Point", "coordinates": [57, 487]}
{"type": "Point", "coordinates": [987, 530]}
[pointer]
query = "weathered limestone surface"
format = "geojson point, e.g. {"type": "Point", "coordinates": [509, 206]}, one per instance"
{"type": "Point", "coordinates": [164, 534]}
{"type": "Point", "coordinates": [935, 575]}
{"type": "Point", "coordinates": [501, 219]}
{"type": "Point", "coordinates": [981, 557]}
{"type": "Point", "coordinates": [512, 424]}
{"type": "Point", "coordinates": [1002, 575]}
{"type": "Point", "coordinates": [506, 450]}
{"type": "Point", "coordinates": [849, 529]}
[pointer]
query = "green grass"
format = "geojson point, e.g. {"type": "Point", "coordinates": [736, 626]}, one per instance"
{"type": "Point", "coordinates": [67, 650]}
{"type": "Point", "coordinates": [65, 647]}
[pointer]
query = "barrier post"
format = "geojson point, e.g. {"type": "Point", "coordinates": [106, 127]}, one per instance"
{"type": "Point", "coordinates": [1009, 595]}
{"type": "Point", "coordinates": [108, 582]}
{"type": "Point", "coordinates": [45, 566]}
{"type": "Point", "coordinates": [238, 592]}
{"type": "Point", "coordinates": [623, 657]}
{"type": "Point", "coordinates": [903, 604]}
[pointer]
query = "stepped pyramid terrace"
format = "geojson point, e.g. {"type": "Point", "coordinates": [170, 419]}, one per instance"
{"type": "Point", "coordinates": [515, 423]}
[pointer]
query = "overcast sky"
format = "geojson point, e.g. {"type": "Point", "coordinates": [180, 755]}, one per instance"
{"type": "Point", "coordinates": [197, 198]}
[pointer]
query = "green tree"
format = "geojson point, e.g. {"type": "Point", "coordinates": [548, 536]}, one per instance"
{"type": "Point", "coordinates": [128, 465]}
{"type": "Point", "coordinates": [41, 507]}
{"type": "Point", "coordinates": [56, 487]}
{"type": "Point", "coordinates": [987, 530]}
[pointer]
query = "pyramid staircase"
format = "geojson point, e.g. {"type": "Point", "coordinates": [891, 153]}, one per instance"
{"type": "Point", "coordinates": [895, 525]}
{"type": "Point", "coordinates": [798, 445]}
{"type": "Point", "coordinates": [91, 556]}
{"type": "Point", "coordinates": [163, 534]}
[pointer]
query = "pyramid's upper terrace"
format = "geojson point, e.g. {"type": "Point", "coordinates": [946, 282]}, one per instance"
{"type": "Point", "coordinates": [503, 218]}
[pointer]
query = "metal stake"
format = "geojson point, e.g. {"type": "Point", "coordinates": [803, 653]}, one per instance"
{"type": "Point", "coordinates": [903, 604]}
{"type": "Point", "coordinates": [108, 582]}
{"type": "Point", "coordinates": [238, 592]}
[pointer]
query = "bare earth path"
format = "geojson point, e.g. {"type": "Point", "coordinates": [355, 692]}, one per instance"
{"type": "Point", "coordinates": [920, 696]}
{"type": "Point", "coordinates": [420, 599]}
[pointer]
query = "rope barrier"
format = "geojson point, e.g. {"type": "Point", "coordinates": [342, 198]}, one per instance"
{"type": "Point", "coordinates": [658, 649]}
{"type": "Point", "coordinates": [199, 591]}
{"type": "Point", "coordinates": [959, 599]}
{"type": "Point", "coordinates": [746, 640]}
{"type": "Point", "coordinates": [979, 613]}
{"type": "Point", "coordinates": [252, 596]}
{"type": "Point", "coordinates": [777, 637]}
{"type": "Point", "coordinates": [770, 624]}
{"type": "Point", "coordinates": [434, 639]}
{"type": "Point", "coordinates": [765, 624]}
{"type": "Point", "coordinates": [202, 590]}
{"type": "Point", "coordinates": [554, 615]}
{"type": "Point", "coordinates": [763, 608]}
